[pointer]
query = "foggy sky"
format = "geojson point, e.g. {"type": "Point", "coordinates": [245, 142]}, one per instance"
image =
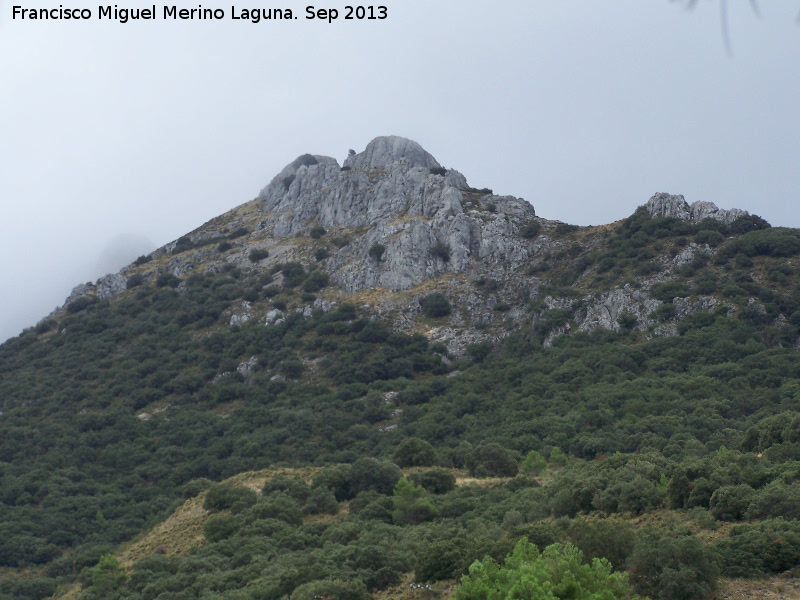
{"type": "Point", "coordinates": [118, 138]}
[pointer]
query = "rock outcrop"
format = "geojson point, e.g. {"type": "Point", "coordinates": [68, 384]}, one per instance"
{"type": "Point", "coordinates": [667, 205]}
{"type": "Point", "coordinates": [414, 208]}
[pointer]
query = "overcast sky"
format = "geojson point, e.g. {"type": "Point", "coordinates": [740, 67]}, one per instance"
{"type": "Point", "coordinates": [118, 138]}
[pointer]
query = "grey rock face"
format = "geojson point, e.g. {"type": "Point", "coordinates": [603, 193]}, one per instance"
{"type": "Point", "coordinates": [390, 189]}
{"type": "Point", "coordinates": [667, 205]}
{"type": "Point", "coordinates": [603, 314]}
{"type": "Point", "coordinates": [80, 290]}
{"type": "Point", "coordinates": [111, 285]}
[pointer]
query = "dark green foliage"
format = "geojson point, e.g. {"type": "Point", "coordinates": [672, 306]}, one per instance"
{"type": "Point", "coordinates": [435, 305]}
{"type": "Point", "coordinates": [564, 228]}
{"type": "Point", "coordinates": [293, 272]}
{"type": "Point", "coordinates": [321, 254]}
{"type": "Point", "coordinates": [669, 290]}
{"type": "Point", "coordinates": [482, 191]}
{"type": "Point", "coordinates": [376, 251]}
{"type": "Point", "coordinates": [237, 233]}
{"type": "Point", "coordinates": [221, 527]}
{"type": "Point", "coordinates": [258, 254]}
{"type": "Point", "coordinates": [491, 460]}
{"type": "Point", "coordinates": [673, 568]}
{"type": "Point", "coordinates": [533, 464]}
{"type": "Point", "coordinates": [224, 495]}
{"type": "Point", "coordinates": [414, 452]}
{"type": "Point", "coordinates": [730, 502]}
{"type": "Point", "coordinates": [446, 559]}
{"type": "Point", "coordinates": [142, 260]}
{"type": "Point", "coordinates": [748, 223]}
{"type": "Point", "coordinates": [435, 481]}
{"type": "Point", "coordinates": [333, 590]}
{"type": "Point", "coordinates": [79, 304]}
{"type": "Point", "coordinates": [710, 237]}
{"type": "Point", "coordinates": [315, 281]}
{"type": "Point", "coordinates": [134, 280]}
{"type": "Point", "coordinates": [479, 350]}
{"type": "Point", "coordinates": [306, 160]}
{"type": "Point", "coordinates": [776, 500]}
{"type": "Point", "coordinates": [774, 241]}
{"type": "Point", "coordinates": [613, 539]}
{"type": "Point", "coordinates": [627, 321]}
{"type": "Point", "coordinates": [279, 507]}
{"type": "Point", "coordinates": [108, 575]}
{"type": "Point", "coordinates": [527, 573]}
{"type": "Point", "coordinates": [321, 500]}
{"type": "Point", "coordinates": [531, 229]}
{"type": "Point", "coordinates": [437, 171]}
{"type": "Point", "coordinates": [441, 251]}
{"type": "Point", "coordinates": [317, 232]}
{"type": "Point", "coordinates": [771, 546]}
{"type": "Point", "coordinates": [167, 280]}
{"type": "Point", "coordinates": [287, 181]}
{"type": "Point", "coordinates": [340, 242]}
{"type": "Point", "coordinates": [411, 503]}
{"type": "Point", "coordinates": [224, 247]}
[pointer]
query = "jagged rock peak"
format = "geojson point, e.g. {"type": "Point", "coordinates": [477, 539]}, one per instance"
{"type": "Point", "coordinates": [675, 206]}
{"type": "Point", "coordinates": [382, 152]}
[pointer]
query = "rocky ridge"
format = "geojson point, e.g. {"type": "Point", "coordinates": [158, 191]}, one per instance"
{"type": "Point", "coordinates": [407, 227]}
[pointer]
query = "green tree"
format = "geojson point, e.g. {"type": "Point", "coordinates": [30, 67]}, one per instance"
{"type": "Point", "coordinates": [414, 452]}
{"type": "Point", "coordinates": [411, 503]}
{"type": "Point", "coordinates": [108, 575]}
{"type": "Point", "coordinates": [534, 463]}
{"type": "Point", "coordinates": [556, 573]}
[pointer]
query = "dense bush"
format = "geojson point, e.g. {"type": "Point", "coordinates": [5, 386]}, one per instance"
{"type": "Point", "coordinates": [414, 452]}
{"type": "Point", "coordinates": [317, 232]}
{"type": "Point", "coordinates": [435, 481]}
{"type": "Point", "coordinates": [441, 251]}
{"type": "Point", "coordinates": [664, 567]}
{"type": "Point", "coordinates": [224, 495]}
{"type": "Point", "coordinates": [772, 546]}
{"type": "Point", "coordinates": [411, 503]}
{"type": "Point", "coordinates": [558, 572]}
{"type": "Point", "coordinates": [376, 251]}
{"type": "Point", "coordinates": [258, 254]}
{"type": "Point", "coordinates": [491, 460]}
{"type": "Point", "coordinates": [435, 305]}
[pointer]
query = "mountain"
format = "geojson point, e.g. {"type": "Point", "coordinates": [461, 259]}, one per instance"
{"type": "Point", "coordinates": [356, 323]}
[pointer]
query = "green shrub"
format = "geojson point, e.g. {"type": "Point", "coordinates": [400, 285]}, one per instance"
{"type": "Point", "coordinates": [321, 254]}
{"type": "Point", "coordinates": [258, 254]}
{"type": "Point", "coordinates": [221, 527]}
{"type": "Point", "coordinates": [772, 546]}
{"type": "Point", "coordinates": [612, 538]}
{"type": "Point", "coordinates": [712, 238]}
{"type": "Point", "coordinates": [414, 452]}
{"type": "Point", "coordinates": [534, 463]}
{"type": "Point", "coordinates": [479, 350]}
{"type": "Point", "coordinates": [224, 247]}
{"type": "Point", "coordinates": [531, 229]}
{"type": "Point", "coordinates": [321, 501]}
{"type": "Point", "coordinates": [108, 575]}
{"type": "Point", "coordinates": [315, 281]}
{"type": "Point", "coordinates": [673, 568]}
{"type": "Point", "coordinates": [279, 507]}
{"type": "Point", "coordinates": [134, 280]}
{"type": "Point", "coordinates": [435, 305]}
{"type": "Point", "coordinates": [669, 290]}
{"type": "Point", "coordinates": [411, 503]}
{"type": "Point", "coordinates": [435, 481]}
{"type": "Point", "coordinates": [445, 559]}
{"type": "Point", "coordinates": [295, 488]}
{"type": "Point", "coordinates": [730, 502]}
{"type": "Point", "coordinates": [237, 233]}
{"type": "Point", "coordinates": [776, 500]}
{"type": "Point", "coordinates": [317, 232]}
{"type": "Point", "coordinates": [336, 589]}
{"type": "Point", "coordinates": [167, 280]}
{"type": "Point", "coordinates": [79, 304]}
{"type": "Point", "coordinates": [558, 572]}
{"type": "Point", "coordinates": [340, 241]}
{"type": "Point", "coordinates": [142, 260]}
{"type": "Point", "coordinates": [223, 495]}
{"type": "Point", "coordinates": [437, 171]}
{"type": "Point", "coordinates": [491, 460]}
{"type": "Point", "coordinates": [376, 251]}
{"type": "Point", "coordinates": [441, 250]}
